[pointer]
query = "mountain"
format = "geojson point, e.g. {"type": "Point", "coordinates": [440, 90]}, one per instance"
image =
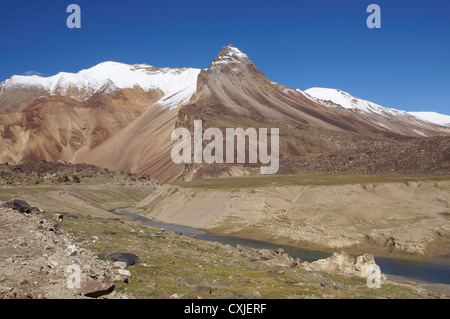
{"type": "Point", "coordinates": [178, 85]}
{"type": "Point", "coordinates": [433, 117]}
{"type": "Point", "coordinates": [69, 116]}
{"type": "Point", "coordinates": [338, 98]}
{"type": "Point", "coordinates": [121, 116]}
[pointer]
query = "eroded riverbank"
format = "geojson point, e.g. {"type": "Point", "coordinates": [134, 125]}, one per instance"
{"type": "Point", "coordinates": [419, 270]}
{"type": "Point", "coordinates": [400, 219]}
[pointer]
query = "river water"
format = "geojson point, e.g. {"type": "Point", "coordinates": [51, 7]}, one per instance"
{"type": "Point", "coordinates": [426, 270]}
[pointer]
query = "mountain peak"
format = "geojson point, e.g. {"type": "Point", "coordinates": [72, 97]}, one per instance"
{"type": "Point", "coordinates": [230, 55]}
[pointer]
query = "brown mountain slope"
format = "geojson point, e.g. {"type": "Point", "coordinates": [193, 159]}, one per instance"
{"type": "Point", "coordinates": [233, 93]}
{"type": "Point", "coordinates": [233, 86]}
{"type": "Point", "coordinates": [129, 129]}
{"type": "Point", "coordinates": [57, 127]}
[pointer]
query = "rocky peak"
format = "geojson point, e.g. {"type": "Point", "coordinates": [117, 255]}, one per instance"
{"type": "Point", "coordinates": [230, 58]}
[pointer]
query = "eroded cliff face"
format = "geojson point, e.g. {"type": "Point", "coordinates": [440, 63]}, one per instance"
{"type": "Point", "coordinates": [403, 218]}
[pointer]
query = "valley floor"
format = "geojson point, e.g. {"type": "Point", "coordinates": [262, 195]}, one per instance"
{"type": "Point", "coordinates": [173, 265]}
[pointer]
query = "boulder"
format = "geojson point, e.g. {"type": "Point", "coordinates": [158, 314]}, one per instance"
{"type": "Point", "coordinates": [21, 206]}
{"type": "Point", "coordinates": [95, 288]}
{"type": "Point", "coordinates": [343, 263]}
{"type": "Point", "coordinates": [129, 259]}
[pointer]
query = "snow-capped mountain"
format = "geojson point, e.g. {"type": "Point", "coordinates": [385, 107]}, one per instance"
{"type": "Point", "coordinates": [121, 116]}
{"type": "Point", "coordinates": [178, 85]}
{"type": "Point", "coordinates": [337, 98]}
{"type": "Point", "coordinates": [433, 117]}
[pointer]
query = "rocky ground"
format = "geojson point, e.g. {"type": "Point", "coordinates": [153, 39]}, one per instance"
{"type": "Point", "coordinates": [48, 173]}
{"type": "Point", "coordinates": [422, 155]}
{"type": "Point", "coordinates": [70, 229]}
{"type": "Point", "coordinates": [350, 155]}
{"type": "Point", "coordinates": [37, 259]}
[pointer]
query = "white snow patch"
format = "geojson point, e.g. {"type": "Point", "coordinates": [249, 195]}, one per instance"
{"type": "Point", "coordinates": [337, 98]}
{"type": "Point", "coordinates": [433, 117]}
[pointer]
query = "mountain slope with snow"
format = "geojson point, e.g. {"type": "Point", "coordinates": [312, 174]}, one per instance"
{"type": "Point", "coordinates": [338, 98]}
{"type": "Point", "coordinates": [178, 85]}
{"type": "Point", "coordinates": [121, 116]}
{"type": "Point", "coordinates": [334, 97]}
{"type": "Point", "coordinates": [433, 117]}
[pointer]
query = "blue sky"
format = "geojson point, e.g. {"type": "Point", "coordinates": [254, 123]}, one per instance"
{"type": "Point", "coordinates": [301, 44]}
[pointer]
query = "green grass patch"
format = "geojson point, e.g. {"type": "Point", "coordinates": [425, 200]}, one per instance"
{"type": "Point", "coordinates": [307, 179]}
{"type": "Point", "coordinates": [178, 264]}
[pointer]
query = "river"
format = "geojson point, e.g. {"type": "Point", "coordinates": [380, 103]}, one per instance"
{"type": "Point", "coordinates": [423, 270]}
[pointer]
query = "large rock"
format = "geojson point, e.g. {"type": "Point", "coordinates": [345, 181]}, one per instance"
{"type": "Point", "coordinates": [21, 206]}
{"type": "Point", "coordinates": [129, 259]}
{"type": "Point", "coordinates": [343, 263]}
{"type": "Point", "coordinates": [95, 288]}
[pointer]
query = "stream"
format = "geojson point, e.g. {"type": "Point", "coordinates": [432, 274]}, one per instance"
{"type": "Point", "coordinates": [422, 270]}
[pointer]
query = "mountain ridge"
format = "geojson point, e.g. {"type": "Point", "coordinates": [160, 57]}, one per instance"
{"type": "Point", "coordinates": [121, 117]}
{"type": "Point", "coordinates": [337, 98]}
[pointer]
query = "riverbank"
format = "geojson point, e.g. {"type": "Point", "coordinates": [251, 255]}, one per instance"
{"type": "Point", "coordinates": [404, 219]}
{"type": "Point", "coordinates": [432, 271]}
{"type": "Point", "coordinates": [177, 265]}
{"type": "Point", "coordinates": [90, 203]}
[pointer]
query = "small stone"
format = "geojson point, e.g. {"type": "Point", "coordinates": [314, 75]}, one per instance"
{"type": "Point", "coordinates": [94, 239]}
{"type": "Point", "coordinates": [120, 264]}
{"type": "Point", "coordinates": [206, 289]}
{"type": "Point", "coordinates": [174, 296]}
{"type": "Point", "coordinates": [5, 289]}
{"type": "Point", "coordinates": [72, 250]}
{"type": "Point", "coordinates": [58, 217]}
{"type": "Point", "coordinates": [249, 249]}
{"type": "Point", "coordinates": [124, 272]}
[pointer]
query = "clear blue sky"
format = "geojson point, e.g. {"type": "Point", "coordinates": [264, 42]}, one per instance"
{"type": "Point", "coordinates": [302, 44]}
